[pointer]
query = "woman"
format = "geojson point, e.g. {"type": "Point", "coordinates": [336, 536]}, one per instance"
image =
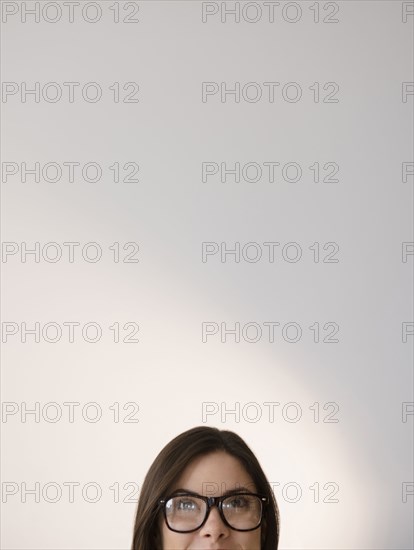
{"type": "Point", "coordinates": [206, 491]}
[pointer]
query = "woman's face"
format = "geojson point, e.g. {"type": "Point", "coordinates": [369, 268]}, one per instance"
{"type": "Point", "coordinates": [212, 475]}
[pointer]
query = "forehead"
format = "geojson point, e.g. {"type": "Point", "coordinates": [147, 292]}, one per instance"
{"type": "Point", "coordinates": [214, 474]}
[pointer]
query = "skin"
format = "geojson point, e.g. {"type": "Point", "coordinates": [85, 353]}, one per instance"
{"type": "Point", "coordinates": [212, 475]}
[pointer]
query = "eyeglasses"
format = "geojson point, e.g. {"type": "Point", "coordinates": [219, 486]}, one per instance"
{"type": "Point", "coordinates": [187, 512]}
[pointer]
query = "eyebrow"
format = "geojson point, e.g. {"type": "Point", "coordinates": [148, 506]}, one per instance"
{"type": "Point", "coordinates": [228, 492]}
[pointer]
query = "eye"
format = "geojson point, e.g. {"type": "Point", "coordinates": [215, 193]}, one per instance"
{"type": "Point", "coordinates": [237, 502]}
{"type": "Point", "coordinates": [186, 504]}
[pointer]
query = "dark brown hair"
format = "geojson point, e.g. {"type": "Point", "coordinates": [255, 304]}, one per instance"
{"type": "Point", "coordinates": [172, 461]}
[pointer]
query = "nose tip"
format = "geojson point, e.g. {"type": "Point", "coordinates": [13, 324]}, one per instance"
{"type": "Point", "coordinates": [214, 525]}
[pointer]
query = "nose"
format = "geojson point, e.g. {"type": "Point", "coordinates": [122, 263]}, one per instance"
{"type": "Point", "coordinates": [214, 526]}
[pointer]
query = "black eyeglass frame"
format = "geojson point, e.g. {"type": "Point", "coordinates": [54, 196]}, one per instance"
{"type": "Point", "coordinates": [214, 501]}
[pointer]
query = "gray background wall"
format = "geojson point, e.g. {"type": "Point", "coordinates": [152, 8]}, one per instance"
{"type": "Point", "coordinates": [329, 409]}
